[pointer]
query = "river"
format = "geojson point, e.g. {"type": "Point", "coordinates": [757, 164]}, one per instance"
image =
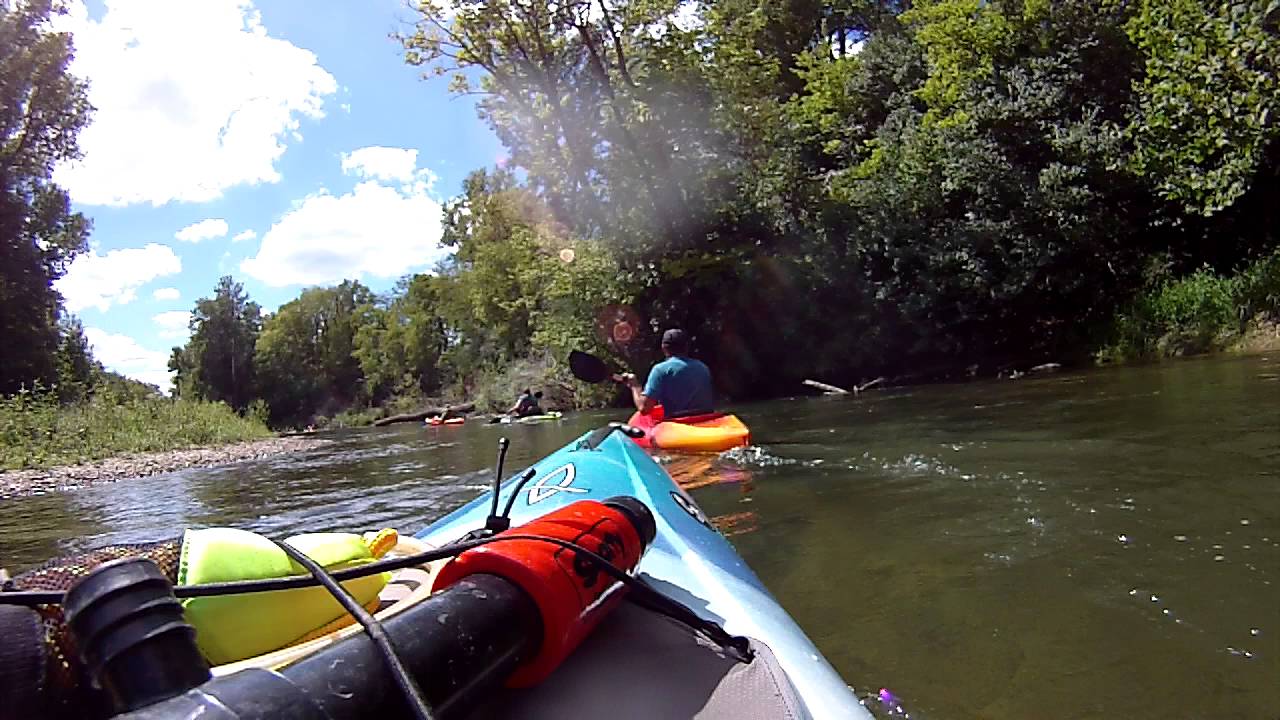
{"type": "Point", "coordinates": [1078, 545]}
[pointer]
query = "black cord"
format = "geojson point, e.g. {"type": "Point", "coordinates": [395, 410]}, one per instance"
{"type": "Point", "coordinates": [649, 597]}
{"type": "Point", "coordinates": [31, 598]}
{"type": "Point", "coordinates": [377, 633]}
{"type": "Point", "coordinates": [503, 444]}
{"type": "Point", "coordinates": [511, 501]}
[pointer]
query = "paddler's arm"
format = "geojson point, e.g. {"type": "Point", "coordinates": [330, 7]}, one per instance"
{"type": "Point", "coordinates": [643, 403]}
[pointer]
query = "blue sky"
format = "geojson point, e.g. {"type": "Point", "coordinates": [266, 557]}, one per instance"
{"type": "Point", "coordinates": [285, 143]}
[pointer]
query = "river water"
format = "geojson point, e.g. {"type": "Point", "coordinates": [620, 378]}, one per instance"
{"type": "Point", "coordinates": [1098, 544]}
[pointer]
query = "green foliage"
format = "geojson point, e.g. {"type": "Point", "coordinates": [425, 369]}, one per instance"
{"type": "Point", "coordinates": [42, 110]}
{"type": "Point", "coordinates": [217, 362]}
{"type": "Point", "coordinates": [37, 431]}
{"type": "Point", "coordinates": [1209, 99]}
{"type": "Point", "coordinates": [518, 283]}
{"type": "Point", "coordinates": [963, 40]}
{"type": "Point", "coordinates": [856, 188]}
{"type": "Point", "coordinates": [835, 189]}
{"type": "Point", "coordinates": [78, 372]}
{"type": "Point", "coordinates": [1197, 313]}
{"type": "Point", "coordinates": [399, 343]}
{"type": "Point", "coordinates": [305, 354]}
{"type": "Point", "coordinates": [1258, 289]}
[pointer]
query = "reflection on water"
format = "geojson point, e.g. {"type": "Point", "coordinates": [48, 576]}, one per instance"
{"type": "Point", "coordinates": [1104, 544]}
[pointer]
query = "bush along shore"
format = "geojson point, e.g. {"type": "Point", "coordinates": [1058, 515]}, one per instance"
{"type": "Point", "coordinates": [121, 430]}
{"type": "Point", "coordinates": [1199, 313]}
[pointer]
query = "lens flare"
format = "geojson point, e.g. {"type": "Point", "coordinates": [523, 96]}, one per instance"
{"type": "Point", "coordinates": [623, 332]}
{"type": "Point", "coordinates": [618, 326]}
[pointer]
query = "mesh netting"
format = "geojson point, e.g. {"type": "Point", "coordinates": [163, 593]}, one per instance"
{"type": "Point", "coordinates": [67, 683]}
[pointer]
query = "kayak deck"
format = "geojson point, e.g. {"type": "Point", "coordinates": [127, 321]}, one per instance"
{"type": "Point", "coordinates": [623, 671]}
{"type": "Point", "coordinates": [689, 561]}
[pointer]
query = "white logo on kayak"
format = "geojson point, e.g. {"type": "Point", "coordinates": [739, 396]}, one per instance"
{"type": "Point", "coordinates": [548, 485]}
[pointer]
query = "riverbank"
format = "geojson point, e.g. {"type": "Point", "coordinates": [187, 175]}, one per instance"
{"type": "Point", "coordinates": [38, 431]}
{"type": "Point", "coordinates": [20, 483]}
{"type": "Point", "coordinates": [1200, 313]}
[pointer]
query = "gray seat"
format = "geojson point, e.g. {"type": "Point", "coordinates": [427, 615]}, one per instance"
{"type": "Point", "coordinates": [640, 664]}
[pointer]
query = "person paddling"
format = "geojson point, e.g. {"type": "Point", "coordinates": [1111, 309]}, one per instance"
{"type": "Point", "coordinates": [680, 384]}
{"type": "Point", "coordinates": [526, 404]}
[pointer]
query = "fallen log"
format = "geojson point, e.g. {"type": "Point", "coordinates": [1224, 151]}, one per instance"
{"type": "Point", "coordinates": [424, 414]}
{"type": "Point", "coordinates": [835, 390]}
{"type": "Point", "coordinates": [828, 389]}
{"type": "Point", "coordinates": [868, 385]}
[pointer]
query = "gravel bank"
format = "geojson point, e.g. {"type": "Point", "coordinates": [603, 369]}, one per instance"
{"type": "Point", "coordinates": [19, 483]}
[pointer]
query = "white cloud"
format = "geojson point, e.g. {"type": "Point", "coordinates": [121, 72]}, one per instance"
{"type": "Point", "coordinates": [166, 293]}
{"type": "Point", "coordinates": [99, 281]}
{"type": "Point", "coordinates": [375, 230]}
{"type": "Point", "coordinates": [203, 230]}
{"type": "Point", "coordinates": [381, 163]}
{"type": "Point", "coordinates": [192, 96]}
{"type": "Point", "coordinates": [245, 235]}
{"type": "Point", "coordinates": [173, 325]}
{"type": "Point", "coordinates": [124, 355]}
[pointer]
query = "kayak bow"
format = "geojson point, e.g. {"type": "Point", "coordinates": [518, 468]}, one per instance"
{"type": "Point", "coordinates": [689, 561]}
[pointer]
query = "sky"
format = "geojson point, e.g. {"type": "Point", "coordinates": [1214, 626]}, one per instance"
{"type": "Point", "coordinates": [283, 142]}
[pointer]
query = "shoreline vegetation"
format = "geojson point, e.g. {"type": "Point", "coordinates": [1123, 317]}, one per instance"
{"type": "Point", "coordinates": [38, 431]}
{"type": "Point", "coordinates": [923, 191]}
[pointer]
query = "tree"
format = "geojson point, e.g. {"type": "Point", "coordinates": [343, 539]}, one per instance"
{"type": "Point", "coordinates": [78, 372]}
{"type": "Point", "coordinates": [42, 110]}
{"type": "Point", "coordinates": [305, 356]}
{"type": "Point", "coordinates": [400, 344]}
{"type": "Point", "coordinates": [601, 101]}
{"type": "Point", "coordinates": [1209, 98]}
{"type": "Point", "coordinates": [856, 187]}
{"type": "Point", "coordinates": [217, 362]}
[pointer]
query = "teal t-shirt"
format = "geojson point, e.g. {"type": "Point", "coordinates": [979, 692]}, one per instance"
{"type": "Point", "coordinates": [682, 385]}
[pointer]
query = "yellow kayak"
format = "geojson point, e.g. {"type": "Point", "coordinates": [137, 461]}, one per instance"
{"type": "Point", "coordinates": [712, 432]}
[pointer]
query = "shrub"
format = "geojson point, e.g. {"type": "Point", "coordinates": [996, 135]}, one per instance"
{"type": "Point", "coordinates": [35, 431]}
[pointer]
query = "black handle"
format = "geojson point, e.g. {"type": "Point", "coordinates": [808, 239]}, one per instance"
{"type": "Point", "coordinates": [460, 645]}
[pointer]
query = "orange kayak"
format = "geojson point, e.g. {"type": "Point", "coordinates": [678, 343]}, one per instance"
{"type": "Point", "coordinates": [711, 432]}
{"type": "Point", "coordinates": [450, 421]}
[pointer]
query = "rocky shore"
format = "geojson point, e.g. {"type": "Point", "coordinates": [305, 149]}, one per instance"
{"type": "Point", "coordinates": [19, 483]}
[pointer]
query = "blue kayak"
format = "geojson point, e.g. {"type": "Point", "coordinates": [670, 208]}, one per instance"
{"type": "Point", "coordinates": [689, 562]}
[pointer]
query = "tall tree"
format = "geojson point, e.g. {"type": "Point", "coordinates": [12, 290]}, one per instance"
{"type": "Point", "coordinates": [42, 110]}
{"type": "Point", "coordinates": [305, 355]}
{"type": "Point", "coordinates": [78, 372]}
{"type": "Point", "coordinates": [399, 346]}
{"type": "Point", "coordinates": [217, 362]}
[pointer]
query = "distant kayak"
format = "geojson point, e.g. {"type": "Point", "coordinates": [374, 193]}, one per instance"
{"type": "Point", "coordinates": [527, 420]}
{"type": "Point", "coordinates": [545, 417]}
{"type": "Point", "coordinates": [451, 421]}
{"type": "Point", "coordinates": [711, 432]}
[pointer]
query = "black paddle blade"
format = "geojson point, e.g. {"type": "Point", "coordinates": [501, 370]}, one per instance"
{"type": "Point", "coordinates": [588, 368]}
